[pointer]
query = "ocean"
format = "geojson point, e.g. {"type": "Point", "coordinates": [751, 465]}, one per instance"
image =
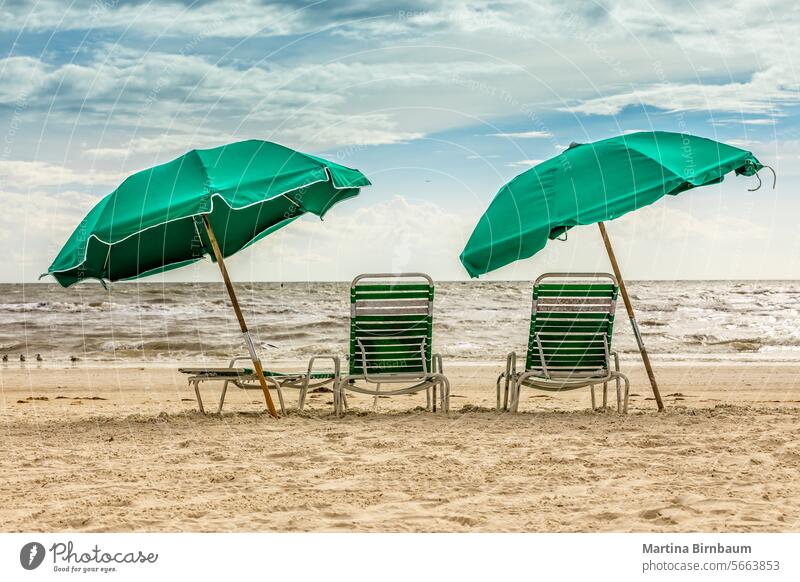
{"type": "Point", "coordinates": [473, 321]}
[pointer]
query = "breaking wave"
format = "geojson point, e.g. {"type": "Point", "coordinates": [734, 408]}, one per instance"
{"type": "Point", "coordinates": [481, 320]}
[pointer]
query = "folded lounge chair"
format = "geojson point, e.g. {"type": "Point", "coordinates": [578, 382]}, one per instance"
{"type": "Point", "coordinates": [391, 322]}
{"type": "Point", "coordinates": [569, 344]}
{"type": "Point", "coordinates": [246, 379]}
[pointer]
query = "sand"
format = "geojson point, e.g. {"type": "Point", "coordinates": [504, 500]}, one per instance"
{"type": "Point", "coordinates": [123, 449]}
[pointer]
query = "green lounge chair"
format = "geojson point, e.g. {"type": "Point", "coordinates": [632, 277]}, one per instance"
{"type": "Point", "coordinates": [246, 379]}
{"type": "Point", "coordinates": [569, 345]}
{"type": "Point", "coordinates": [391, 322]}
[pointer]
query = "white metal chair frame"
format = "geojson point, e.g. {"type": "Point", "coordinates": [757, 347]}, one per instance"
{"type": "Point", "coordinates": [428, 380]}
{"type": "Point", "coordinates": [247, 380]}
{"type": "Point", "coordinates": [510, 382]}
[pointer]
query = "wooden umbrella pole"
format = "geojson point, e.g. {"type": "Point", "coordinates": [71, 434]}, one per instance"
{"type": "Point", "coordinates": [235, 302]}
{"type": "Point", "coordinates": [629, 307]}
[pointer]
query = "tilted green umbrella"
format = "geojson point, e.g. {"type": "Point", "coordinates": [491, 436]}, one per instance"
{"type": "Point", "coordinates": [591, 183]}
{"type": "Point", "coordinates": [207, 202]}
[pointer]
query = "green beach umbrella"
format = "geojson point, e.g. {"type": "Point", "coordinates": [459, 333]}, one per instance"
{"type": "Point", "coordinates": [591, 183]}
{"type": "Point", "coordinates": [207, 202]}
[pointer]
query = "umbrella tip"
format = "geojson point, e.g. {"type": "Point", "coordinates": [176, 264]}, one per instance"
{"type": "Point", "coordinates": [573, 144]}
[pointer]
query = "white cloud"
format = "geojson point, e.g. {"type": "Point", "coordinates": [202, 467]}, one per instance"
{"type": "Point", "coordinates": [162, 145]}
{"type": "Point", "coordinates": [760, 121]}
{"type": "Point", "coordinates": [33, 226]}
{"type": "Point", "coordinates": [702, 46]}
{"type": "Point", "coordinates": [525, 163]}
{"type": "Point", "coordinates": [741, 143]}
{"type": "Point", "coordinates": [663, 224]}
{"type": "Point", "coordinates": [765, 93]}
{"type": "Point", "coordinates": [21, 77]}
{"type": "Point", "coordinates": [23, 175]}
{"type": "Point", "coordinates": [223, 19]}
{"type": "Point", "coordinates": [400, 234]}
{"type": "Point", "coordinates": [522, 134]}
{"type": "Point", "coordinates": [174, 101]}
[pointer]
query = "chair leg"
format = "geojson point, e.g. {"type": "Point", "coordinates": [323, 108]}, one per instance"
{"type": "Point", "coordinates": [515, 394]}
{"type": "Point", "coordinates": [280, 397]}
{"type": "Point", "coordinates": [375, 398]}
{"type": "Point", "coordinates": [433, 392]}
{"type": "Point", "coordinates": [503, 379]}
{"type": "Point", "coordinates": [222, 396]}
{"type": "Point", "coordinates": [197, 394]}
{"type": "Point", "coordinates": [301, 401]}
{"type": "Point", "coordinates": [340, 397]}
{"type": "Point", "coordinates": [337, 397]}
{"type": "Point", "coordinates": [605, 395]}
{"type": "Point", "coordinates": [619, 398]}
{"type": "Point", "coordinates": [445, 395]}
{"type": "Point", "coordinates": [428, 398]}
{"type": "Point", "coordinates": [617, 376]}
{"type": "Point", "coordinates": [594, 405]}
{"type": "Point", "coordinates": [627, 393]}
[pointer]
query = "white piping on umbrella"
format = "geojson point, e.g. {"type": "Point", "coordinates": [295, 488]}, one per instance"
{"type": "Point", "coordinates": [329, 178]}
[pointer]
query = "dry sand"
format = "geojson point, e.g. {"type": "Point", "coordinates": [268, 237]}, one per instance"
{"type": "Point", "coordinates": [103, 449]}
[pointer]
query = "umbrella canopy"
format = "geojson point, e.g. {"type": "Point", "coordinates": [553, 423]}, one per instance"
{"type": "Point", "coordinates": [153, 221]}
{"type": "Point", "coordinates": [215, 202]}
{"type": "Point", "coordinates": [591, 183]}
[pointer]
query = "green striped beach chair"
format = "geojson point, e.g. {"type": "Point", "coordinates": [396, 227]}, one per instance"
{"type": "Point", "coordinates": [569, 345]}
{"type": "Point", "coordinates": [391, 322]}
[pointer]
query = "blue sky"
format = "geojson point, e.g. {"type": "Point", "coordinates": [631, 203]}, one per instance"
{"type": "Point", "coordinates": [438, 102]}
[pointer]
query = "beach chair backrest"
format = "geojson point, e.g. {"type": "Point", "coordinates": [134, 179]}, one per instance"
{"type": "Point", "coordinates": [571, 324]}
{"type": "Point", "coordinates": [391, 321]}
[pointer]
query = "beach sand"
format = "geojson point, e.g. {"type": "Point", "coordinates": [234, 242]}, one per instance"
{"type": "Point", "coordinates": [123, 449]}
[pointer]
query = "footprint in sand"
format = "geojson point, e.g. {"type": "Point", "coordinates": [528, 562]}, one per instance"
{"type": "Point", "coordinates": [656, 516]}
{"type": "Point", "coordinates": [607, 516]}
{"type": "Point", "coordinates": [463, 520]}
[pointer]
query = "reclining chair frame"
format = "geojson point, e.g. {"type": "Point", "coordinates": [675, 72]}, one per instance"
{"type": "Point", "coordinates": [543, 377]}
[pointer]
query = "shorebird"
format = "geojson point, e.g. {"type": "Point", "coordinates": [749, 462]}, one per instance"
{"type": "Point", "coordinates": [5, 357]}
{"type": "Point", "coordinates": [74, 359]}
{"type": "Point", "coordinates": [39, 358]}
{"type": "Point", "coordinates": [21, 357]}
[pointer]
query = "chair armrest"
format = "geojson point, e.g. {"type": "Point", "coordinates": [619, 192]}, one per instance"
{"type": "Point", "coordinates": [511, 364]}
{"type": "Point", "coordinates": [615, 355]}
{"type": "Point", "coordinates": [541, 355]}
{"type": "Point", "coordinates": [336, 363]}
{"type": "Point", "coordinates": [363, 355]}
{"type": "Point", "coordinates": [238, 359]}
{"type": "Point", "coordinates": [438, 367]}
{"type": "Point", "coordinates": [364, 362]}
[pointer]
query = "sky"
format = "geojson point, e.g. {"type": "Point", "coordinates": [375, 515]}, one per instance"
{"type": "Point", "coordinates": [438, 102]}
